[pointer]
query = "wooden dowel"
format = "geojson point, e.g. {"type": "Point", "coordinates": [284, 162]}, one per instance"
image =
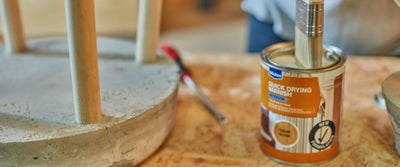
{"type": "Point", "coordinates": [148, 30]}
{"type": "Point", "coordinates": [12, 26]}
{"type": "Point", "coordinates": [84, 61]}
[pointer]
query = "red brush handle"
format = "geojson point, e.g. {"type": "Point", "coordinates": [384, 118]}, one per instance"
{"type": "Point", "coordinates": [172, 53]}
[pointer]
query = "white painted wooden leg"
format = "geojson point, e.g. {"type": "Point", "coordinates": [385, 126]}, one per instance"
{"type": "Point", "coordinates": [84, 60]}
{"type": "Point", "coordinates": [148, 30]}
{"type": "Point", "coordinates": [12, 27]}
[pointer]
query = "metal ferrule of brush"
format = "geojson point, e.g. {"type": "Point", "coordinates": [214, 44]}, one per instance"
{"type": "Point", "coordinates": [310, 17]}
{"type": "Point", "coordinates": [309, 32]}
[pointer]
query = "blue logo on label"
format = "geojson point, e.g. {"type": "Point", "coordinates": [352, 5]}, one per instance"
{"type": "Point", "coordinates": [275, 73]}
{"type": "Point", "coordinates": [276, 97]}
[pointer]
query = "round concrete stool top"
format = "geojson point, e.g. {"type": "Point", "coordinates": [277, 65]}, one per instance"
{"type": "Point", "coordinates": [37, 121]}
{"type": "Point", "coordinates": [391, 93]}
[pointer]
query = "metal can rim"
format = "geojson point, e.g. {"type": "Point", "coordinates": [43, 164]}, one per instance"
{"type": "Point", "coordinates": [330, 52]}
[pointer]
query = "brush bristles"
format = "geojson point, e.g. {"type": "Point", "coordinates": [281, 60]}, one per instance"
{"type": "Point", "coordinates": [308, 50]}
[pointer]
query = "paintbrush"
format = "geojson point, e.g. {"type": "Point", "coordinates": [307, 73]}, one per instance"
{"type": "Point", "coordinates": [309, 33]}
{"type": "Point", "coordinates": [186, 78]}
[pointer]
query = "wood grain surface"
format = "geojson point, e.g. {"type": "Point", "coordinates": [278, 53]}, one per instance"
{"type": "Point", "coordinates": [233, 84]}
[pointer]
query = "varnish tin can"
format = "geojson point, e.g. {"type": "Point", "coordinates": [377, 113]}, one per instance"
{"type": "Point", "coordinates": [301, 108]}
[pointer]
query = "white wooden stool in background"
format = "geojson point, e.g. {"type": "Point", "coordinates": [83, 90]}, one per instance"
{"type": "Point", "coordinates": [123, 102]}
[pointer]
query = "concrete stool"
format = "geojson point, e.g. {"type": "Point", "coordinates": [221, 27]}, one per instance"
{"type": "Point", "coordinates": [391, 93]}
{"type": "Point", "coordinates": [118, 110]}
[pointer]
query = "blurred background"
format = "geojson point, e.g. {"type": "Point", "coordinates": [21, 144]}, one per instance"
{"type": "Point", "coordinates": [205, 26]}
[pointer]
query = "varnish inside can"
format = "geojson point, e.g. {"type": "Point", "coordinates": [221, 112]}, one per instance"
{"type": "Point", "coordinates": [301, 108]}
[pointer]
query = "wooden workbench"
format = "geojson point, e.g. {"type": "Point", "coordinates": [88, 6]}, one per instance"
{"type": "Point", "coordinates": [233, 84]}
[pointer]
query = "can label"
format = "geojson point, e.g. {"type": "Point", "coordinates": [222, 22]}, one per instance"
{"type": "Point", "coordinates": [286, 94]}
{"type": "Point", "coordinates": [300, 113]}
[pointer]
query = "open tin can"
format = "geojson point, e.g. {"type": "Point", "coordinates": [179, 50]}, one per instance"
{"type": "Point", "coordinates": [301, 108]}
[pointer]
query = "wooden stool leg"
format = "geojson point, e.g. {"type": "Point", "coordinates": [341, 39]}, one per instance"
{"type": "Point", "coordinates": [148, 30]}
{"type": "Point", "coordinates": [84, 61]}
{"type": "Point", "coordinates": [12, 26]}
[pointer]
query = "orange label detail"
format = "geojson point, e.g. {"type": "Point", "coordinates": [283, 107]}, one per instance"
{"type": "Point", "coordinates": [298, 157]}
{"type": "Point", "coordinates": [290, 96]}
